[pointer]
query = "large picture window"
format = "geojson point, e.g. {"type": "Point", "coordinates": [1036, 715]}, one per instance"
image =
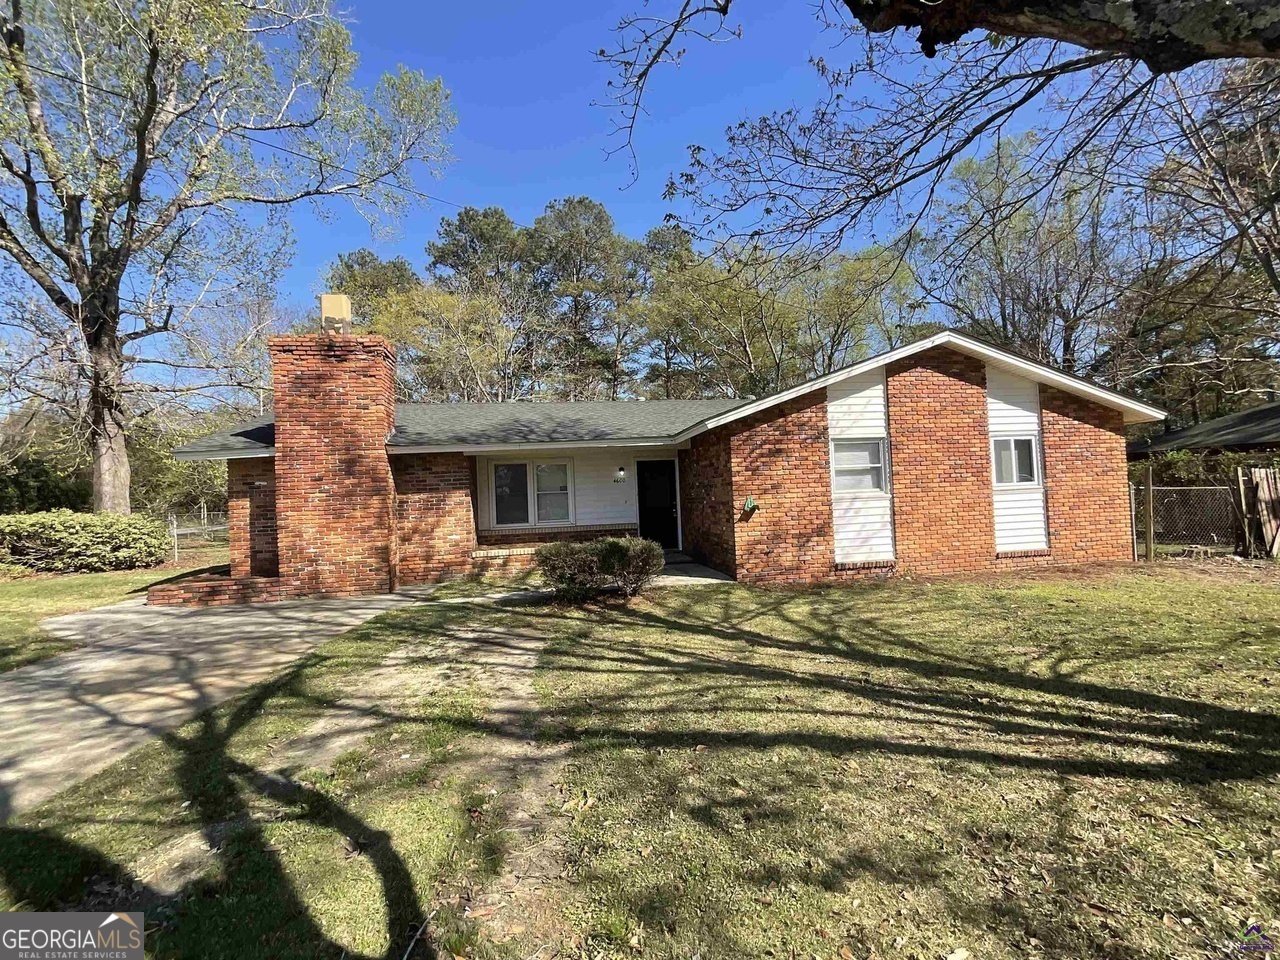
{"type": "Point", "coordinates": [529, 494]}
{"type": "Point", "coordinates": [859, 466]}
{"type": "Point", "coordinates": [1014, 460]}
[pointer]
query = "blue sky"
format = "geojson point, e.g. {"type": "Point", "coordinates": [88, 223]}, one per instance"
{"type": "Point", "coordinates": [523, 82]}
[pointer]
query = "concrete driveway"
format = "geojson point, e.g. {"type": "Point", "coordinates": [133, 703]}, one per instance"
{"type": "Point", "coordinates": [145, 670]}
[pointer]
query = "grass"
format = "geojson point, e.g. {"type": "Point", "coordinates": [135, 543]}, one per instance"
{"type": "Point", "coordinates": [1032, 766]}
{"type": "Point", "coordinates": [1044, 767]}
{"type": "Point", "coordinates": [25, 600]}
{"type": "Point", "coordinates": [337, 860]}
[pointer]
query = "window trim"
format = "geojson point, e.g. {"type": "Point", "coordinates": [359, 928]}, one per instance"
{"type": "Point", "coordinates": [1037, 471]}
{"type": "Point", "coordinates": [886, 474]}
{"type": "Point", "coordinates": [531, 491]}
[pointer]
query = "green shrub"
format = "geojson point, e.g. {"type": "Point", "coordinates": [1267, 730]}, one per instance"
{"type": "Point", "coordinates": [630, 562]}
{"type": "Point", "coordinates": [577, 571]}
{"type": "Point", "coordinates": [62, 541]}
{"type": "Point", "coordinates": [572, 569]}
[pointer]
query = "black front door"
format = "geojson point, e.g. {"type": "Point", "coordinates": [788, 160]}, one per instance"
{"type": "Point", "coordinates": [656, 486]}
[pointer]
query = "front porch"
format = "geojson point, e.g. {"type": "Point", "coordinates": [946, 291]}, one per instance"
{"type": "Point", "coordinates": [522, 500]}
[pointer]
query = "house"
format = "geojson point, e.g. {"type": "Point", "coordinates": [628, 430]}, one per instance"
{"type": "Point", "coordinates": [1256, 430]}
{"type": "Point", "coordinates": [943, 456]}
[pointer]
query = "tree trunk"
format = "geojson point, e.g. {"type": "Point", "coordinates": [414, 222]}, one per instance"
{"type": "Point", "coordinates": [107, 425]}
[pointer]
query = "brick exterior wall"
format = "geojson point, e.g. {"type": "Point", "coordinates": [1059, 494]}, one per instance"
{"type": "Point", "coordinates": [943, 514]}
{"type": "Point", "coordinates": [335, 407]}
{"type": "Point", "coordinates": [435, 523]}
{"type": "Point", "coordinates": [217, 591]}
{"type": "Point", "coordinates": [706, 500]}
{"type": "Point", "coordinates": [578, 534]}
{"type": "Point", "coordinates": [1087, 480]}
{"type": "Point", "coordinates": [251, 517]}
{"type": "Point", "coordinates": [780, 459]}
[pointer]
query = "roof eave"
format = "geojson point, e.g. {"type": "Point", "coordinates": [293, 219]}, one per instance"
{"type": "Point", "coordinates": [223, 454]}
{"type": "Point", "coordinates": [476, 448]}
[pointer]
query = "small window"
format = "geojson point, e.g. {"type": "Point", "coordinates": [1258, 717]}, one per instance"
{"type": "Point", "coordinates": [859, 466]}
{"type": "Point", "coordinates": [510, 493]}
{"type": "Point", "coordinates": [553, 492]}
{"type": "Point", "coordinates": [1015, 459]}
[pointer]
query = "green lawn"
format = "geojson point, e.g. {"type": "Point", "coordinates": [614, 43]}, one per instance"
{"type": "Point", "coordinates": [1028, 767]}
{"type": "Point", "coordinates": [25, 601]}
{"type": "Point", "coordinates": [321, 862]}
{"type": "Point", "coordinates": [1040, 767]}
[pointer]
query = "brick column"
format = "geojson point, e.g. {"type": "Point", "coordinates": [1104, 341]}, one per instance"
{"type": "Point", "coordinates": [335, 499]}
{"type": "Point", "coordinates": [251, 517]}
{"type": "Point", "coordinates": [943, 515]}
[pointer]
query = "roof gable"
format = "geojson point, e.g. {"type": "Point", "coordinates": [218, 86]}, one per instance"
{"type": "Point", "coordinates": [1134, 411]}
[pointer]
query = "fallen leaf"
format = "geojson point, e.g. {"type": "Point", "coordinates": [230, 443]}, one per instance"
{"type": "Point", "coordinates": [958, 954]}
{"type": "Point", "coordinates": [846, 953]}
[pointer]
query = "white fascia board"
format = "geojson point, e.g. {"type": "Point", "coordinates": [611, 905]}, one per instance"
{"type": "Point", "coordinates": [236, 455]}
{"type": "Point", "coordinates": [540, 445]}
{"type": "Point", "coordinates": [1133, 410]}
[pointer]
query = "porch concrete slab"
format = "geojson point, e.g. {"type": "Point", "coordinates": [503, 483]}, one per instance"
{"type": "Point", "coordinates": [144, 670]}
{"type": "Point", "coordinates": [688, 575]}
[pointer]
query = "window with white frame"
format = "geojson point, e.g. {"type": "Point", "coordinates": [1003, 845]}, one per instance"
{"type": "Point", "coordinates": [858, 466]}
{"type": "Point", "coordinates": [1014, 460]}
{"type": "Point", "coordinates": [551, 488]}
{"type": "Point", "coordinates": [532, 493]}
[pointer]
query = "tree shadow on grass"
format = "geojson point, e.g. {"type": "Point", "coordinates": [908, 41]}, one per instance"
{"type": "Point", "coordinates": [1198, 742]}
{"type": "Point", "coordinates": [750, 679]}
{"type": "Point", "coordinates": [812, 680]}
{"type": "Point", "coordinates": [252, 908]}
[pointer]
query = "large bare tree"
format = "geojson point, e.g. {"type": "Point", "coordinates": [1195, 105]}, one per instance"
{"type": "Point", "coordinates": [147, 151]}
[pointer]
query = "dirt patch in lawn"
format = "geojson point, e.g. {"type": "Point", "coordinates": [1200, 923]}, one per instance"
{"type": "Point", "coordinates": [1224, 570]}
{"type": "Point", "coordinates": [516, 762]}
{"type": "Point", "coordinates": [506, 763]}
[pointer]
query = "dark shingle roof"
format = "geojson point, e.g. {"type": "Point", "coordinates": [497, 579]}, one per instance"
{"type": "Point", "coordinates": [486, 424]}
{"type": "Point", "coordinates": [256, 436]}
{"type": "Point", "coordinates": [1257, 427]}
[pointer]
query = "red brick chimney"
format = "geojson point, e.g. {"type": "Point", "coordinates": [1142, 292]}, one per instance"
{"type": "Point", "coordinates": [335, 499]}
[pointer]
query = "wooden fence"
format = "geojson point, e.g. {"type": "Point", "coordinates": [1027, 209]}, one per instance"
{"type": "Point", "coordinates": [1259, 493]}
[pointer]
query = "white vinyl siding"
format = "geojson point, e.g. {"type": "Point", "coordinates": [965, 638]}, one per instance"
{"type": "Point", "coordinates": [856, 407]}
{"type": "Point", "coordinates": [861, 504]}
{"type": "Point", "coordinates": [1013, 414]}
{"type": "Point", "coordinates": [1019, 518]}
{"type": "Point", "coordinates": [1013, 404]}
{"type": "Point", "coordinates": [597, 499]}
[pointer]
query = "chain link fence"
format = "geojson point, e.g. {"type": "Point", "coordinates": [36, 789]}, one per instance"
{"type": "Point", "coordinates": [197, 530]}
{"type": "Point", "coordinates": [1189, 518]}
